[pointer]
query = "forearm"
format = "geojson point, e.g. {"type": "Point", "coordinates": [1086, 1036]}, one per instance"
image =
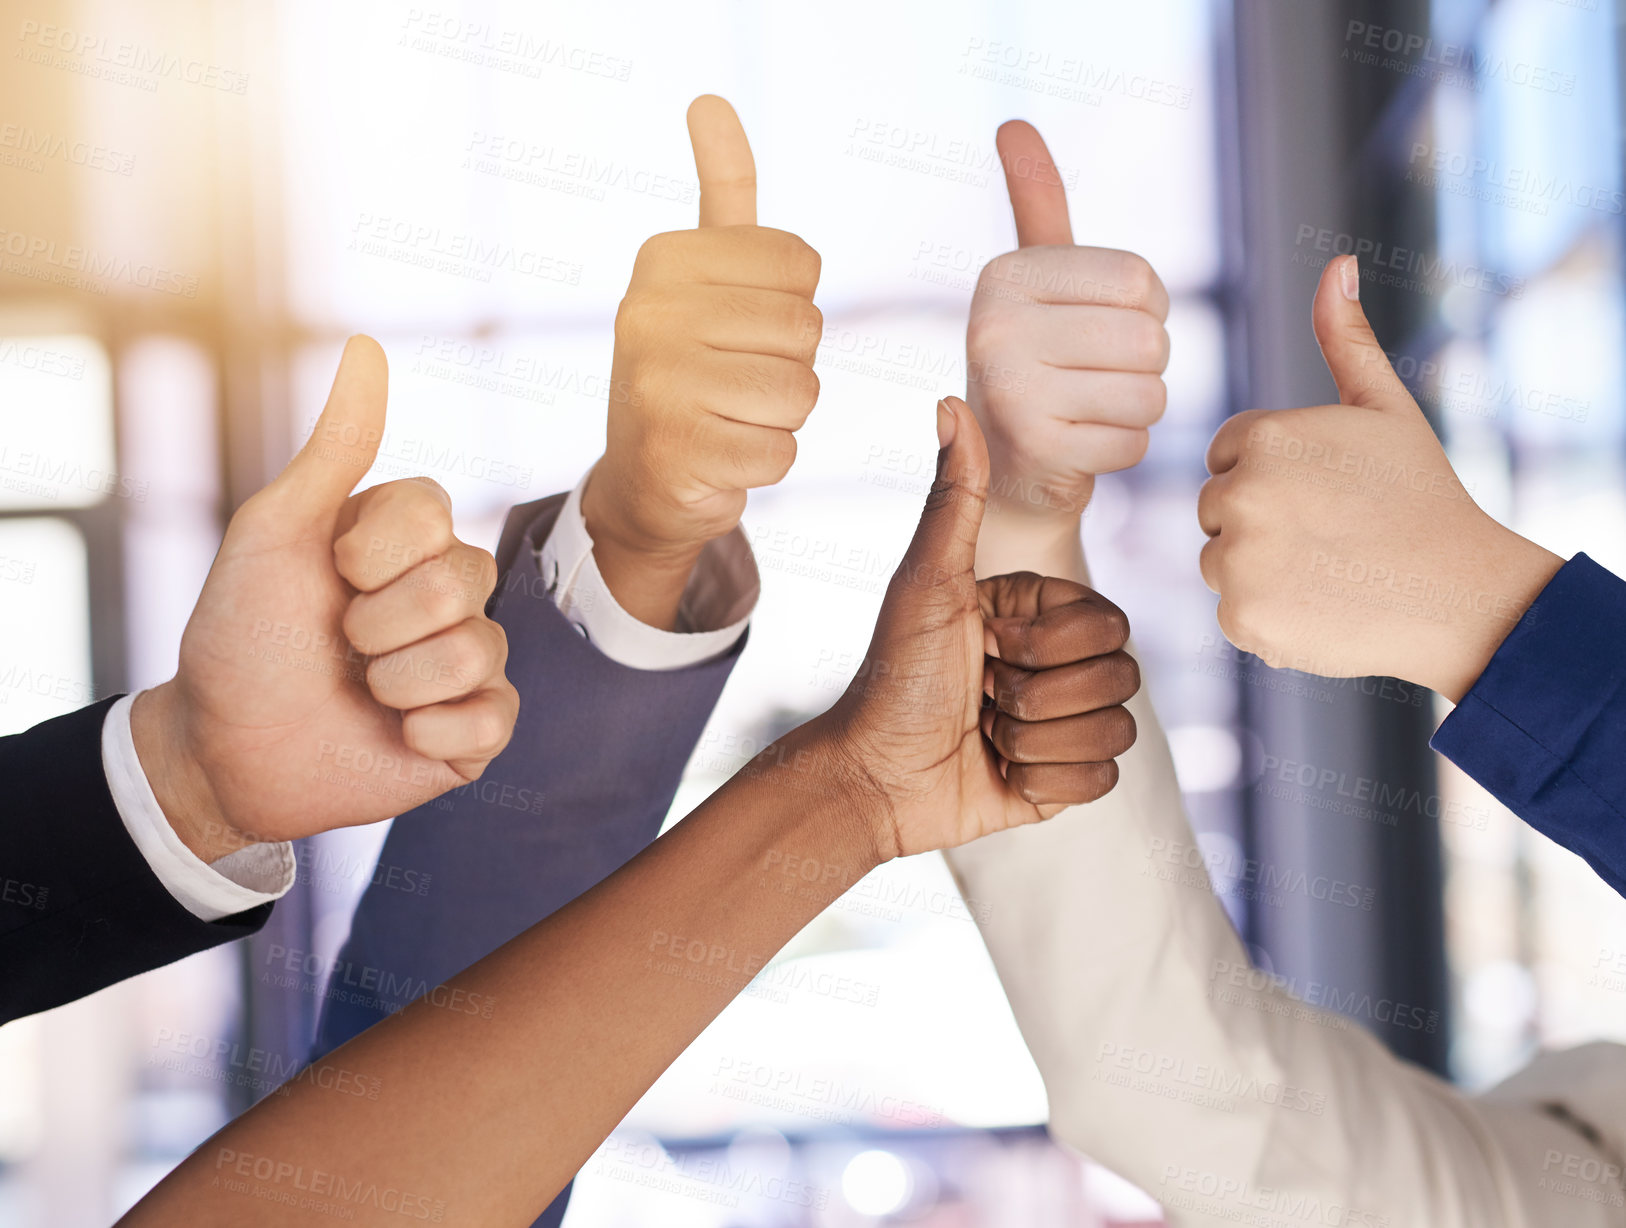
{"type": "Point", "coordinates": [1167, 1058]}
{"type": "Point", "coordinates": [586, 1009]}
{"type": "Point", "coordinates": [509, 851]}
{"type": "Point", "coordinates": [646, 581]}
{"type": "Point", "coordinates": [1510, 574]}
{"type": "Point", "coordinates": [648, 586]}
{"type": "Point", "coordinates": [1014, 540]}
{"type": "Point", "coordinates": [177, 781]}
{"type": "Point", "coordinates": [1137, 999]}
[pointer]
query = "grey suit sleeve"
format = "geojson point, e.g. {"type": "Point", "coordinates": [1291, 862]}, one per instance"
{"type": "Point", "coordinates": [583, 786]}
{"type": "Point", "coordinates": [595, 760]}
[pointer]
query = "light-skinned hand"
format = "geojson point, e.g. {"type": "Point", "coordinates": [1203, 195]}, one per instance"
{"type": "Point", "coordinates": [713, 375]}
{"type": "Point", "coordinates": [339, 667]}
{"type": "Point", "coordinates": [1341, 541]}
{"type": "Point", "coordinates": [1065, 351]}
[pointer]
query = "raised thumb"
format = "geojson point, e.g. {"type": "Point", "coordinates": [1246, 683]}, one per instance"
{"type": "Point", "coordinates": [344, 442]}
{"type": "Point", "coordinates": [1038, 195]}
{"type": "Point", "coordinates": [723, 163]}
{"type": "Point", "coordinates": [1358, 364]}
{"type": "Point", "coordinates": [945, 541]}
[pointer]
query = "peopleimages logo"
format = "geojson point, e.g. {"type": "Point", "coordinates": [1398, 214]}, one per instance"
{"type": "Point", "coordinates": [1243, 984]}
{"type": "Point", "coordinates": [1139, 1069]}
{"type": "Point", "coordinates": [27, 356]}
{"type": "Point", "coordinates": [87, 265]}
{"type": "Point", "coordinates": [121, 61]}
{"type": "Point", "coordinates": [1529, 183]}
{"type": "Point", "coordinates": [1195, 1189]}
{"type": "Point", "coordinates": [296, 1185]}
{"type": "Point", "coordinates": [35, 146]}
{"type": "Point", "coordinates": [510, 50]}
{"type": "Point", "coordinates": [457, 253]}
{"type": "Point", "coordinates": [1404, 267]}
{"type": "Point", "coordinates": [1422, 55]}
{"type": "Point", "coordinates": [709, 1178]}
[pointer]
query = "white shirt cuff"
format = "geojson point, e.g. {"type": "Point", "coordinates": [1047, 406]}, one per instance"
{"type": "Point", "coordinates": [254, 875]}
{"type": "Point", "coordinates": [716, 605]}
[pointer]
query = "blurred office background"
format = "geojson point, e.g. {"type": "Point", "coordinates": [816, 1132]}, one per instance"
{"type": "Point", "coordinates": [199, 201]}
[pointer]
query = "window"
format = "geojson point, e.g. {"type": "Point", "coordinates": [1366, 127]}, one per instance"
{"type": "Point", "coordinates": [1528, 387]}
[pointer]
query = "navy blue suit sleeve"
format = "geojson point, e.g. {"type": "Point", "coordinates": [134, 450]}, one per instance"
{"type": "Point", "coordinates": [80, 908]}
{"type": "Point", "coordinates": [1544, 727]}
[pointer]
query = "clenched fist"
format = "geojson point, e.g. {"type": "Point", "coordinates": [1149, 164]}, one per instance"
{"type": "Point", "coordinates": [339, 667]}
{"type": "Point", "coordinates": [1065, 349]}
{"type": "Point", "coordinates": [713, 366]}
{"type": "Point", "coordinates": [1342, 543]}
{"type": "Point", "coordinates": [935, 763]}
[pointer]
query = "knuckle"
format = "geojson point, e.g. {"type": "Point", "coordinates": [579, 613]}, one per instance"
{"type": "Point", "coordinates": [809, 327]}
{"type": "Point", "coordinates": [441, 602]}
{"type": "Point", "coordinates": [793, 263]}
{"type": "Point", "coordinates": [1151, 399]}
{"type": "Point", "coordinates": [1016, 698]}
{"type": "Point", "coordinates": [1138, 440]}
{"type": "Point", "coordinates": [802, 262]}
{"type": "Point", "coordinates": [641, 311]}
{"type": "Point", "coordinates": [347, 554]}
{"type": "Point", "coordinates": [1018, 649]}
{"type": "Point", "coordinates": [1215, 499]}
{"type": "Point", "coordinates": [1029, 790]}
{"type": "Point", "coordinates": [489, 729]}
{"type": "Point", "coordinates": [1124, 682]}
{"type": "Point", "coordinates": [656, 251]}
{"type": "Point", "coordinates": [484, 572]}
{"type": "Point", "coordinates": [1099, 780]}
{"type": "Point", "coordinates": [415, 518]}
{"type": "Point", "coordinates": [629, 316]}
{"type": "Point", "coordinates": [1150, 342]}
{"type": "Point", "coordinates": [499, 642]}
{"type": "Point", "coordinates": [780, 454]}
{"type": "Point", "coordinates": [1241, 627]}
{"type": "Point", "coordinates": [802, 388]}
{"type": "Point", "coordinates": [1247, 502]}
{"type": "Point", "coordinates": [1137, 277]}
{"type": "Point", "coordinates": [987, 328]}
{"type": "Point", "coordinates": [1209, 560]}
{"type": "Point", "coordinates": [475, 771]}
{"type": "Point", "coordinates": [1116, 627]}
{"type": "Point", "coordinates": [464, 656]}
{"type": "Point", "coordinates": [1120, 731]}
{"type": "Point", "coordinates": [1012, 738]}
{"type": "Point", "coordinates": [433, 527]}
{"type": "Point", "coordinates": [428, 488]}
{"type": "Point", "coordinates": [354, 624]}
{"type": "Point", "coordinates": [1263, 432]}
{"type": "Point", "coordinates": [997, 271]}
{"type": "Point", "coordinates": [1208, 564]}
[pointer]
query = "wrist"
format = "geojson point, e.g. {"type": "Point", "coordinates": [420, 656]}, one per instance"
{"type": "Point", "coordinates": [1020, 539]}
{"type": "Point", "coordinates": [182, 789]}
{"type": "Point", "coordinates": [820, 762]}
{"type": "Point", "coordinates": [1509, 576]}
{"type": "Point", "coordinates": [646, 577]}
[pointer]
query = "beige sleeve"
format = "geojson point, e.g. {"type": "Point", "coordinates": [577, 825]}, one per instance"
{"type": "Point", "coordinates": [1229, 1101]}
